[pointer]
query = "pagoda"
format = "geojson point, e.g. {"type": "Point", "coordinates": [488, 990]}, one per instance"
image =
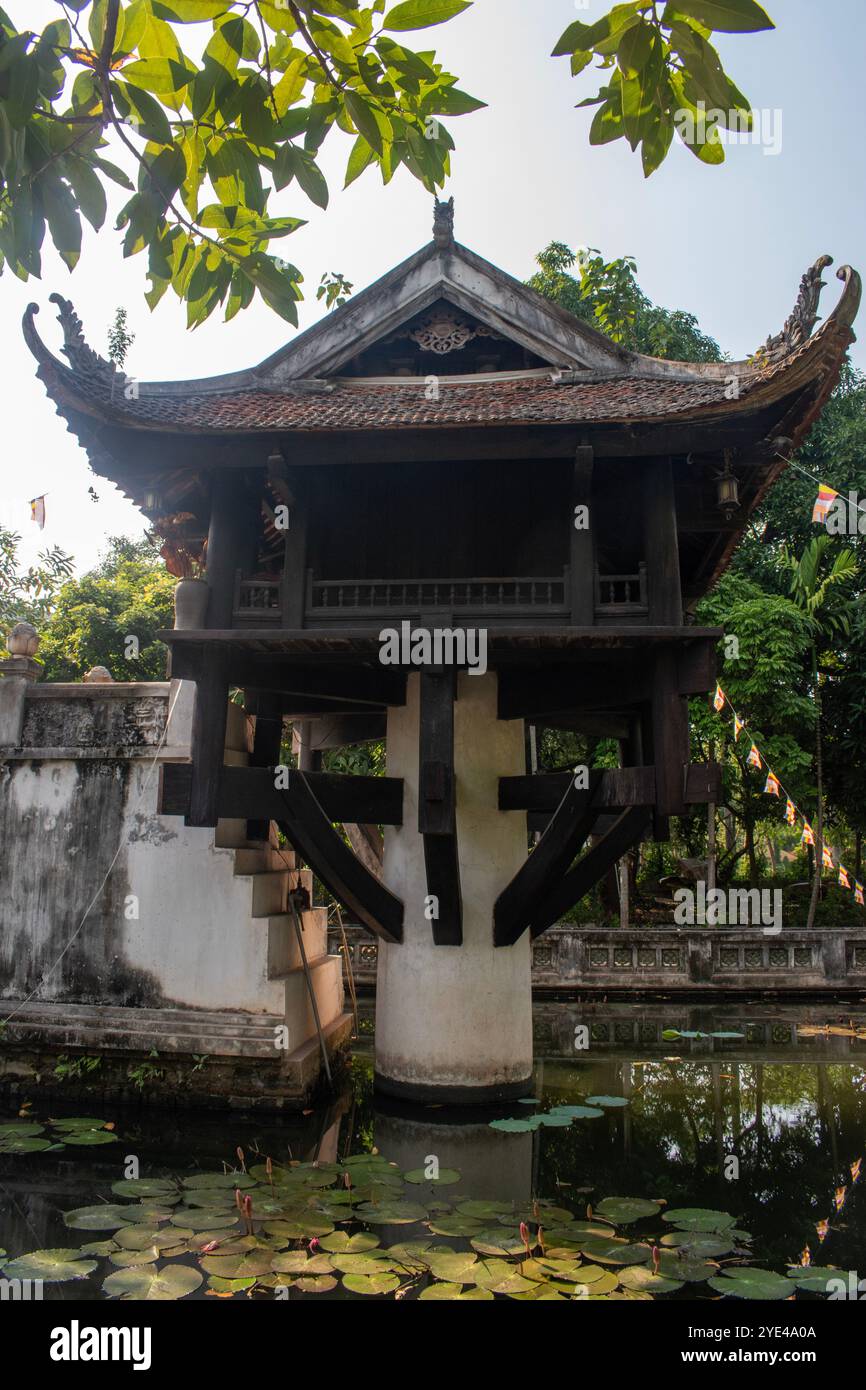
{"type": "Point", "coordinates": [446, 513]}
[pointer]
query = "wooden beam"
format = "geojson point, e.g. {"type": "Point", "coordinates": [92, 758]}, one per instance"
{"type": "Point", "coordinates": [582, 541]}
{"type": "Point", "coordinates": [661, 544]}
{"type": "Point", "coordinates": [246, 793]}
{"type": "Point", "coordinates": [529, 693]}
{"type": "Point", "coordinates": [437, 813]}
{"type": "Point", "coordinates": [232, 538]}
{"type": "Point", "coordinates": [310, 831]}
{"type": "Point", "coordinates": [618, 788]}
{"type": "Point", "coordinates": [267, 742]}
{"type": "Point", "coordinates": [670, 736]}
{"type": "Point", "coordinates": [565, 835]}
{"type": "Point", "coordinates": [208, 740]}
{"type": "Point", "coordinates": [442, 865]}
{"type": "Point", "coordinates": [436, 783]}
{"type": "Point", "coordinates": [626, 832]}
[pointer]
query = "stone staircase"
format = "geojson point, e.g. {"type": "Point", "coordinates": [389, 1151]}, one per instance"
{"type": "Point", "coordinates": [274, 873]}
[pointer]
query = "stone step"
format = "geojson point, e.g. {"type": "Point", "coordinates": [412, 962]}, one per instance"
{"type": "Point", "coordinates": [283, 952]}
{"type": "Point", "coordinates": [269, 892]}
{"type": "Point", "coordinates": [256, 859]}
{"type": "Point", "coordinates": [327, 978]}
{"type": "Point", "coordinates": [142, 1030]}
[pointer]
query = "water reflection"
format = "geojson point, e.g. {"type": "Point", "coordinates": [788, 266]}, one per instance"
{"type": "Point", "coordinates": [793, 1124]}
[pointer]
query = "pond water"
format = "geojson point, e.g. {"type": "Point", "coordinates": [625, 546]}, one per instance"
{"type": "Point", "coordinates": [759, 1137]}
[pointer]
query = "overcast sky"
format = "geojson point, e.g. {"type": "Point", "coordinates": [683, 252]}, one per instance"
{"type": "Point", "coordinates": [729, 244]}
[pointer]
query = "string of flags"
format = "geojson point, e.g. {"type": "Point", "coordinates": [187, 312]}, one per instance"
{"type": "Point", "coordinates": [830, 857]}
{"type": "Point", "coordinates": [37, 511]}
{"type": "Point", "coordinates": [840, 1198]}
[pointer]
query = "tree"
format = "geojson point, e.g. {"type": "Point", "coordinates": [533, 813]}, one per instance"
{"type": "Point", "coordinates": [818, 589]}
{"type": "Point", "coordinates": [606, 295]}
{"type": "Point", "coordinates": [210, 138]}
{"type": "Point", "coordinates": [110, 617]}
{"type": "Point", "coordinates": [665, 75]}
{"type": "Point", "coordinates": [28, 595]}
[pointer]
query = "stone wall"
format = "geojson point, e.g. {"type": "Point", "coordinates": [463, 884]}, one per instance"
{"type": "Point", "coordinates": [701, 960]}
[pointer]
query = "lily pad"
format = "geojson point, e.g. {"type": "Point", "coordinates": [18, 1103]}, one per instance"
{"type": "Point", "coordinates": [105, 1216]}
{"type": "Point", "coordinates": [698, 1246]}
{"type": "Point", "coordinates": [14, 1144]}
{"type": "Point", "coordinates": [51, 1266]}
{"type": "Point", "coordinates": [152, 1284]}
{"type": "Point", "coordinates": [297, 1262]}
{"type": "Point", "coordinates": [249, 1265]}
{"type": "Point", "coordinates": [319, 1283]}
{"type": "Point", "coordinates": [514, 1126]}
{"type": "Point", "coordinates": [219, 1180]}
{"type": "Point", "coordinates": [480, 1211]}
{"type": "Point", "coordinates": [19, 1129]}
{"type": "Point", "coordinates": [752, 1283]}
{"type": "Point", "coordinates": [608, 1102]}
{"type": "Point", "coordinates": [128, 1259]}
{"type": "Point", "coordinates": [643, 1280]}
{"type": "Point", "coordinates": [75, 1137]}
{"type": "Point", "coordinates": [623, 1210]}
{"type": "Point", "coordinates": [369, 1262]}
{"type": "Point", "coordinates": [817, 1280]}
{"type": "Point", "coordinates": [699, 1219]}
{"type": "Point", "coordinates": [203, 1220]}
{"type": "Point", "coordinates": [454, 1293]}
{"type": "Point", "coordinates": [578, 1112]}
{"type": "Point", "coordinates": [445, 1178]}
{"type": "Point", "coordinates": [395, 1214]}
{"type": "Point", "coordinates": [615, 1252]}
{"type": "Point", "coordinates": [371, 1284]}
{"type": "Point", "coordinates": [225, 1286]}
{"type": "Point", "coordinates": [501, 1277]}
{"type": "Point", "coordinates": [454, 1268]}
{"type": "Point", "coordinates": [342, 1242]}
{"type": "Point", "coordinates": [497, 1243]}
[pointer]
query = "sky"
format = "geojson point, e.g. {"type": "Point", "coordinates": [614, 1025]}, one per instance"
{"type": "Point", "coordinates": [729, 243]}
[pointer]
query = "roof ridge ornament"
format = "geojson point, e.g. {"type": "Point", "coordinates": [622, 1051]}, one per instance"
{"type": "Point", "coordinates": [800, 324]}
{"type": "Point", "coordinates": [82, 358]}
{"type": "Point", "coordinates": [443, 224]}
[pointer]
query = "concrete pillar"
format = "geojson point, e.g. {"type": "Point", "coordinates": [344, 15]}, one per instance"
{"type": "Point", "coordinates": [454, 1023]}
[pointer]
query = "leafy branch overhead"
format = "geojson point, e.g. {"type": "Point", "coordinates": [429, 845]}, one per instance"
{"type": "Point", "coordinates": [665, 77]}
{"type": "Point", "coordinates": [209, 139]}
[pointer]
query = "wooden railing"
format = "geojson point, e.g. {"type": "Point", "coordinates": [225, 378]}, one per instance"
{"type": "Point", "coordinates": [619, 594]}
{"type": "Point", "coordinates": [496, 596]}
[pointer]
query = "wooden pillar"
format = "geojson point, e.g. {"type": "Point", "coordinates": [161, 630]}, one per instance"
{"type": "Point", "coordinates": [670, 737]}
{"type": "Point", "coordinates": [437, 802]}
{"type": "Point", "coordinates": [267, 741]}
{"type": "Point", "coordinates": [294, 589]}
{"type": "Point", "coordinates": [231, 545]}
{"type": "Point", "coordinates": [661, 544]}
{"type": "Point", "coordinates": [582, 543]}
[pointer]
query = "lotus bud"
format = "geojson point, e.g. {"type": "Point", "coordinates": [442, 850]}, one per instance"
{"type": "Point", "coordinates": [524, 1236]}
{"type": "Point", "coordinates": [539, 1239]}
{"type": "Point", "coordinates": [314, 1244]}
{"type": "Point", "coordinates": [239, 1199]}
{"type": "Point", "coordinates": [241, 1160]}
{"type": "Point", "coordinates": [656, 1259]}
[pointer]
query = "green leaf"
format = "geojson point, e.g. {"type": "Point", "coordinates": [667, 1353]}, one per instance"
{"type": "Point", "coordinates": [656, 143]}
{"type": "Point", "coordinates": [360, 158]}
{"type": "Point", "coordinates": [145, 1282]}
{"type": "Point", "coordinates": [296, 163]}
{"type": "Point", "coordinates": [422, 14]}
{"type": "Point", "coordinates": [51, 1266]}
{"type": "Point", "coordinates": [726, 16]}
{"type": "Point", "coordinates": [759, 1284]}
{"type": "Point", "coordinates": [608, 125]}
{"type": "Point", "coordinates": [144, 114]}
{"type": "Point", "coordinates": [88, 190]}
{"type": "Point", "coordinates": [64, 224]}
{"type": "Point", "coordinates": [165, 76]}
{"type": "Point", "coordinates": [371, 122]}
{"type": "Point", "coordinates": [291, 85]}
{"type": "Point", "coordinates": [189, 11]}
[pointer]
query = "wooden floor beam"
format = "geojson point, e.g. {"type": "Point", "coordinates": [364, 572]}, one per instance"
{"type": "Point", "coordinates": [250, 793]}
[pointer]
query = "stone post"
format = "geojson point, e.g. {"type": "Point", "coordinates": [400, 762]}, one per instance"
{"type": "Point", "coordinates": [454, 1023]}
{"type": "Point", "coordinates": [18, 671]}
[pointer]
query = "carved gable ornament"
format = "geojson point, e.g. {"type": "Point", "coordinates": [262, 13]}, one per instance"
{"type": "Point", "coordinates": [442, 332]}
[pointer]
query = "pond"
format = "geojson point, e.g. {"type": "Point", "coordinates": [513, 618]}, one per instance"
{"type": "Point", "coordinates": [649, 1166]}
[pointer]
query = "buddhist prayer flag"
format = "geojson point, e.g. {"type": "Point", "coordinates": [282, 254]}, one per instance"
{"type": "Point", "coordinates": [37, 511]}
{"type": "Point", "coordinates": [844, 881]}
{"type": "Point", "coordinates": [827, 857]}
{"type": "Point", "coordinates": [719, 699]}
{"type": "Point", "coordinates": [739, 726]}
{"type": "Point", "coordinates": [791, 812]}
{"type": "Point", "coordinates": [855, 1170]}
{"type": "Point", "coordinates": [808, 834]}
{"type": "Point", "coordinates": [841, 1194]}
{"type": "Point", "coordinates": [858, 893]}
{"type": "Point", "coordinates": [754, 757]}
{"type": "Point", "coordinates": [826, 498]}
{"type": "Point", "coordinates": [823, 1228]}
{"type": "Point", "coordinates": [773, 786]}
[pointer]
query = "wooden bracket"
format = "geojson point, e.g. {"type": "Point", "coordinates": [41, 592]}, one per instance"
{"type": "Point", "coordinates": [437, 803]}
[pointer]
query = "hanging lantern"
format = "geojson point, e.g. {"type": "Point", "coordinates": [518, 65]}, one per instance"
{"type": "Point", "coordinates": [727, 491]}
{"type": "Point", "coordinates": [151, 501]}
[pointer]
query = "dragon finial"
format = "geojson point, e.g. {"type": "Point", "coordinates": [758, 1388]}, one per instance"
{"type": "Point", "coordinates": [443, 224]}
{"type": "Point", "coordinates": [801, 322]}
